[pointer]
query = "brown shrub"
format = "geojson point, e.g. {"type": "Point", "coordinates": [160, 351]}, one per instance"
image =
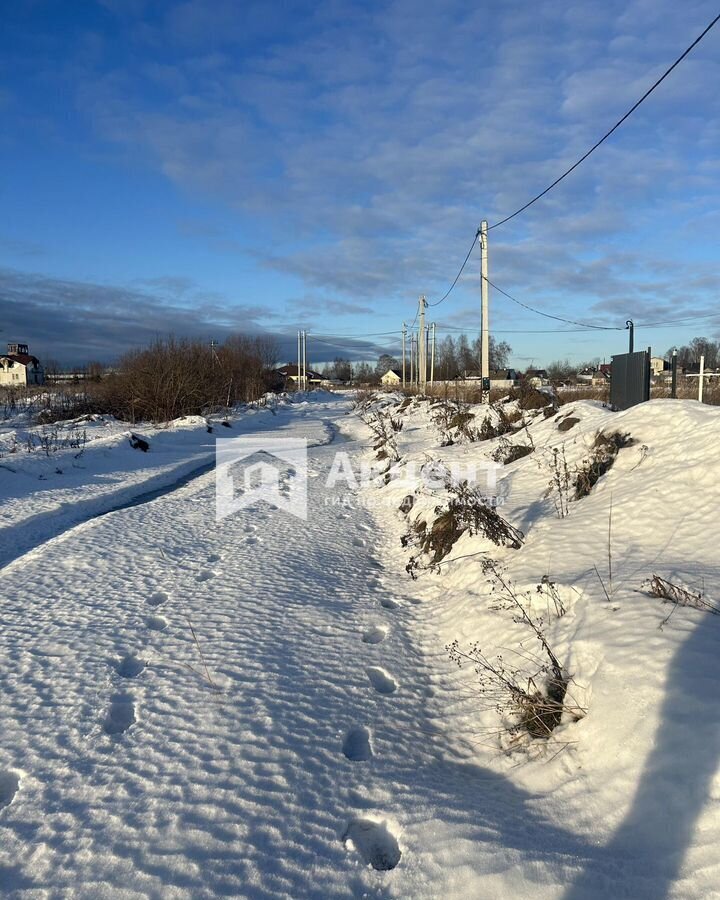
{"type": "Point", "coordinates": [605, 450]}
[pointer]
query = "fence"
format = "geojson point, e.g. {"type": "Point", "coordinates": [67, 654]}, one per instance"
{"type": "Point", "coordinates": [630, 379]}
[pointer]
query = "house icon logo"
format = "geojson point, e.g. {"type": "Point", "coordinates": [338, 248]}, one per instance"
{"type": "Point", "coordinates": [252, 470]}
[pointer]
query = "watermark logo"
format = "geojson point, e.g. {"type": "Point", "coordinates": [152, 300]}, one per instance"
{"type": "Point", "coordinates": [273, 470]}
{"type": "Point", "coordinates": [249, 470]}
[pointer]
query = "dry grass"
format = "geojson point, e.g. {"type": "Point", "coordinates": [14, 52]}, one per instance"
{"type": "Point", "coordinates": [467, 511]}
{"type": "Point", "coordinates": [532, 697]}
{"type": "Point", "coordinates": [680, 596]}
{"type": "Point", "coordinates": [605, 450]}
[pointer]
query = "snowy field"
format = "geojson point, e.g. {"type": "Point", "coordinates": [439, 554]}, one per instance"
{"type": "Point", "coordinates": [265, 707]}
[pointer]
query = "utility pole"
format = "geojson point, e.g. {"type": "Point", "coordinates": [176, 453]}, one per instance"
{"type": "Point", "coordinates": [422, 357]}
{"type": "Point", "coordinates": [299, 362]}
{"type": "Point", "coordinates": [403, 354]}
{"type": "Point", "coordinates": [427, 350]}
{"type": "Point", "coordinates": [630, 325]}
{"type": "Point", "coordinates": [432, 358]}
{"type": "Point", "coordinates": [484, 311]}
{"type": "Point", "coordinates": [412, 358]}
{"type": "Point", "coordinates": [305, 378]}
{"type": "Point", "coordinates": [701, 379]}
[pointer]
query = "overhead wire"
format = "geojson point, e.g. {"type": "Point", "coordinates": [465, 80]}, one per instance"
{"type": "Point", "coordinates": [675, 321]}
{"type": "Point", "coordinates": [457, 277]}
{"type": "Point", "coordinates": [539, 312]}
{"type": "Point", "coordinates": [607, 134]}
{"type": "Point", "coordinates": [355, 334]}
{"type": "Point", "coordinates": [448, 330]}
{"type": "Point", "coordinates": [557, 181]}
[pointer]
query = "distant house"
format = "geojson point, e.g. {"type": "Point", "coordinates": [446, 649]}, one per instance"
{"type": "Point", "coordinates": [19, 368]}
{"type": "Point", "coordinates": [289, 375]}
{"type": "Point", "coordinates": [658, 365]}
{"type": "Point", "coordinates": [596, 376]}
{"type": "Point", "coordinates": [503, 378]}
{"type": "Point", "coordinates": [535, 377]}
{"type": "Point", "coordinates": [392, 376]}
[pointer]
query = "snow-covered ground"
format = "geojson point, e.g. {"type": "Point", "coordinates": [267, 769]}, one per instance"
{"type": "Point", "coordinates": [265, 708]}
{"type": "Point", "coordinates": [58, 475]}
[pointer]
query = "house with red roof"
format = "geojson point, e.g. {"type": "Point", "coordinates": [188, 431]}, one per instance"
{"type": "Point", "coordinates": [19, 368]}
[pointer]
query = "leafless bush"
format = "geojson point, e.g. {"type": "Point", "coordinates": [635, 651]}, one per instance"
{"type": "Point", "coordinates": [560, 482]}
{"type": "Point", "coordinates": [604, 453]}
{"type": "Point", "coordinates": [548, 589]}
{"type": "Point", "coordinates": [680, 596]}
{"type": "Point", "coordinates": [49, 441]}
{"type": "Point", "coordinates": [176, 377]}
{"type": "Point", "coordinates": [454, 420]}
{"type": "Point", "coordinates": [384, 427]}
{"type": "Point", "coordinates": [529, 397]}
{"type": "Point", "coordinates": [507, 452]}
{"type": "Point", "coordinates": [67, 404]}
{"type": "Point", "coordinates": [467, 511]}
{"type": "Point", "coordinates": [532, 695]}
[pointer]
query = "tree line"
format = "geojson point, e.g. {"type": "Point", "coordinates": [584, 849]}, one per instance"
{"type": "Point", "coordinates": [454, 358]}
{"type": "Point", "coordinates": [176, 377]}
{"type": "Point", "coordinates": [689, 354]}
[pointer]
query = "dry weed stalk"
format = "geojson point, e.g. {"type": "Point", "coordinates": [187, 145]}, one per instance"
{"type": "Point", "coordinates": [469, 511]}
{"type": "Point", "coordinates": [534, 700]}
{"type": "Point", "coordinates": [679, 596]}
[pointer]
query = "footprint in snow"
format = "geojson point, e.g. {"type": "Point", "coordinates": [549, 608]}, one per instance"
{"type": "Point", "coordinates": [156, 623]}
{"type": "Point", "coordinates": [9, 785]}
{"type": "Point", "coordinates": [130, 666]}
{"type": "Point", "coordinates": [214, 557]}
{"type": "Point", "coordinates": [381, 680]}
{"type": "Point", "coordinates": [250, 541]}
{"type": "Point", "coordinates": [158, 598]}
{"type": "Point", "coordinates": [359, 542]}
{"type": "Point", "coordinates": [356, 745]}
{"type": "Point", "coordinates": [375, 843]}
{"type": "Point", "coordinates": [121, 714]}
{"type": "Point", "coordinates": [389, 603]}
{"type": "Point", "coordinates": [374, 635]}
{"type": "Point", "coordinates": [206, 575]}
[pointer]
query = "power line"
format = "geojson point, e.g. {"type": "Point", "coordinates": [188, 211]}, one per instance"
{"type": "Point", "coordinates": [355, 335]}
{"type": "Point", "coordinates": [458, 329]}
{"type": "Point", "coordinates": [350, 347]}
{"type": "Point", "coordinates": [539, 312]}
{"type": "Point", "coordinates": [676, 321]}
{"type": "Point", "coordinates": [608, 133]}
{"type": "Point", "coordinates": [457, 277]}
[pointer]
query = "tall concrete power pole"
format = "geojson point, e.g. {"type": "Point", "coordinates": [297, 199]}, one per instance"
{"type": "Point", "coordinates": [432, 358]}
{"type": "Point", "coordinates": [403, 354]}
{"type": "Point", "coordinates": [304, 354]}
{"type": "Point", "coordinates": [422, 346]}
{"type": "Point", "coordinates": [484, 314]}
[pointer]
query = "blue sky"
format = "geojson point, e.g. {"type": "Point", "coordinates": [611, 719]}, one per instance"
{"type": "Point", "coordinates": [207, 167]}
